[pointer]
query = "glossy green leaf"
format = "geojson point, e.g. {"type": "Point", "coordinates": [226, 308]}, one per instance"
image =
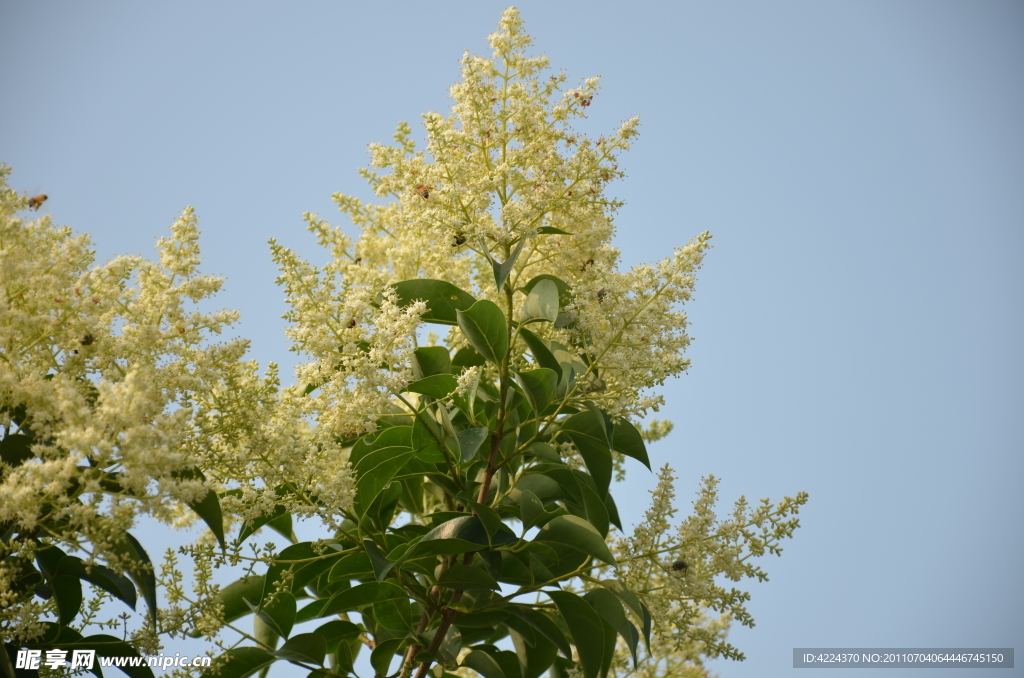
{"type": "Point", "coordinates": [596, 512]}
{"type": "Point", "coordinates": [336, 631]}
{"type": "Point", "coordinates": [534, 659]}
{"type": "Point", "coordinates": [610, 609]}
{"type": "Point", "coordinates": [586, 628]}
{"type": "Point", "coordinates": [308, 648]}
{"type": "Point", "coordinates": [484, 326]}
{"type": "Point", "coordinates": [540, 386]}
{"type": "Point", "coordinates": [67, 591]}
{"type": "Point", "coordinates": [588, 435]}
{"type": "Point", "coordinates": [139, 568]}
{"type": "Point", "coordinates": [207, 508]}
{"type": "Point", "coordinates": [551, 230]}
{"type": "Point", "coordinates": [544, 452]}
{"type": "Point", "coordinates": [627, 440]}
{"type": "Point", "coordinates": [240, 663]}
{"type": "Point", "coordinates": [443, 299]}
{"type": "Point", "coordinates": [375, 471]}
{"type": "Point", "coordinates": [470, 440]}
{"type": "Point", "coordinates": [564, 290]}
{"type": "Point", "coordinates": [362, 595]}
{"type": "Point", "coordinates": [492, 523]}
{"type": "Point", "coordinates": [633, 602]}
{"type": "Point", "coordinates": [394, 614]}
{"type": "Point", "coordinates": [278, 614]}
{"type": "Point", "coordinates": [303, 561]}
{"type": "Point", "coordinates": [466, 578]}
{"type": "Point", "coordinates": [531, 509]}
{"type": "Point", "coordinates": [383, 654]}
{"type": "Point", "coordinates": [234, 595]}
{"type": "Point", "coordinates": [545, 626]}
{"type": "Point", "coordinates": [541, 303]}
{"type": "Point", "coordinates": [279, 520]}
{"type": "Point", "coordinates": [448, 650]}
{"type": "Point", "coordinates": [503, 269]}
{"type": "Point", "coordinates": [484, 664]}
{"type": "Point", "coordinates": [578, 534]}
{"type": "Point", "coordinates": [431, 360]}
{"type": "Point", "coordinates": [378, 561]}
{"type": "Point", "coordinates": [541, 353]}
{"type": "Point", "coordinates": [436, 386]}
{"type": "Point", "coordinates": [351, 566]}
{"type": "Point", "coordinates": [467, 357]}
{"type": "Point", "coordinates": [264, 634]}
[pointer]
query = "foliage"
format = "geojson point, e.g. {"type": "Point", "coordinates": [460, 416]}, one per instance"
{"type": "Point", "coordinates": [107, 385]}
{"type": "Point", "coordinates": [466, 481]}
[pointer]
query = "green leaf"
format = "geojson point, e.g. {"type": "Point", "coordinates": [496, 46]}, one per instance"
{"type": "Point", "coordinates": [541, 303]}
{"type": "Point", "coordinates": [16, 449]}
{"type": "Point", "coordinates": [240, 663]}
{"type": "Point", "coordinates": [67, 591]}
{"type": "Point", "coordinates": [436, 386]}
{"type": "Point", "coordinates": [626, 440]}
{"type": "Point", "coordinates": [544, 452]}
{"type": "Point", "coordinates": [596, 512]}
{"type": "Point", "coordinates": [448, 651]}
{"type": "Point", "coordinates": [492, 522]}
{"type": "Point", "coordinates": [534, 659]}
{"type": "Point", "coordinates": [7, 652]}
{"type": "Point", "coordinates": [207, 508]}
{"type": "Point", "coordinates": [443, 299]}
{"type": "Point", "coordinates": [380, 658]}
{"type": "Point", "coordinates": [234, 595]}
{"type": "Point", "coordinates": [531, 509]}
{"type": "Point", "coordinates": [610, 609]}
{"type": "Point", "coordinates": [363, 595]}
{"type": "Point", "coordinates": [587, 433]}
{"type": "Point", "coordinates": [467, 357]}
{"type": "Point", "coordinates": [467, 577]}
{"type": "Point", "coordinates": [578, 534]}
{"type": "Point", "coordinates": [551, 230]}
{"type": "Point", "coordinates": [381, 565]}
{"type": "Point", "coordinates": [431, 360]}
{"type": "Point", "coordinates": [484, 325]}
{"type": "Point", "coordinates": [484, 664]}
{"type": "Point", "coordinates": [334, 632]}
{"type": "Point", "coordinates": [502, 270]}
{"type": "Point", "coordinates": [139, 568]}
{"type": "Point", "coordinates": [375, 471]}
{"type": "Point", "coordinates": [310, 565]}
{"type": "Point", "coordinates": [310, 648]}
{"type": "Point", "coordinates": [394, 614]}
{"type": "Point", "coordinates": [470, 440]}
{"type": "Point", "coordinates": [279, 520]}
{"type": "Point", "coordinates": [279, 615]}
{"type": "Point", "coordinates": [586, 628]}
{"type": "Point", "coordinates": [539, 386]}
{"type": "Point", "coordinates": [351, 566]}
{"type": "Point", "coordinates": [564, 291]}
{"type": "Point", "coordinates": [541, 353]}
{"type": "Point", "coordinates": [632, 601]}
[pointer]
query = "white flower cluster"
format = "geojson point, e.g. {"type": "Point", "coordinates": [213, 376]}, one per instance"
{"type": "Point", "coordinates": [505, 169]}
{"type": "Point", "coordinates": [677, 572]}
{"type": "Point", "coordinates": [112, 394]}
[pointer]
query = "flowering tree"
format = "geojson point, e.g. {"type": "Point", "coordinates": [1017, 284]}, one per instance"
{"type": "Point", "coordinates": [111, 397]}
{"type": "Point", "coordinates": [466, 480]}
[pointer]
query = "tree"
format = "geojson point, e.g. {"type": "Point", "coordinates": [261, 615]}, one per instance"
{"type": "Point", "coordinates": [465, 480]}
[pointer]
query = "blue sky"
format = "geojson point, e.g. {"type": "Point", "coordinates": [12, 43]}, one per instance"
{"type": "Point", "coordinates": [861, 165]}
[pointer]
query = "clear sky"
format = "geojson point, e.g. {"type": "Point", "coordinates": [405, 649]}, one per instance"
{"type": "Point", "coordinates": [858, 326]}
